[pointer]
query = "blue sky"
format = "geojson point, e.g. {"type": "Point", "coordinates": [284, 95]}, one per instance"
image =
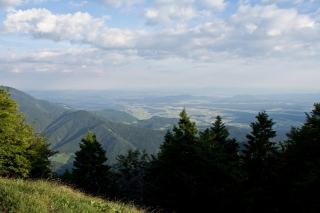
{"type": "Point", "coordinates": [102, 44]}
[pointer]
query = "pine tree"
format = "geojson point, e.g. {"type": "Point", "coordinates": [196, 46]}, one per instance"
{"type": "Point", "coordinates": [91, 172]}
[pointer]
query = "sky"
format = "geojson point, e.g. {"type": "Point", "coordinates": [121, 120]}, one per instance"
{"type": "Point", "coordinates": [125, 44]}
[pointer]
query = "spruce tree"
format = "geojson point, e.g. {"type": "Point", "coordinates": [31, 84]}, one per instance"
{"type": "Point", "coordinates": [39, 156]}
{"type": "Point", "coordinates": [300, 170]}
{"type": "Point", "coordinates": [132, 176]}
{"type": "Point", "coordinates": [259, 164]}
{"type": "Point", "coordinates": [91, 172]}
{"type": "Point", "coordinates": [219, 171]}
{"type": "Point", "coordinates": [260, 152]}
{"type": "Point", "coordinates": [174, 167]}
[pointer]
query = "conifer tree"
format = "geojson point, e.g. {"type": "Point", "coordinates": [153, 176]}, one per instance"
{"type": "Point", "coordinates": [39, 156]}
{"type": "Point", "coordinates": [300, 170]}
{"type": "Point", "coordinates": [21, 149]}
{"type": "Point", "coordinates": [91, 172]}
{"type": "Point", "coordinates": [260, 152]}
{"type": "Point", "coordinates": [174, 167]}
{"type": "Point", "coordinates": [219, 171]}
{"type": "Point", "coordinates": [133, 177]}
{"type": "Point", "coordinates": [217, 138]}
{"type": "Point", "coordinates": [260, 165]}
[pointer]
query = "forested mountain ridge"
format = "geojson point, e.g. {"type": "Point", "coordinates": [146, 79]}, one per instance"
{"type": "Point", "coordinates": [67, 130]}
{"type": "Point", "coordinates": [43, 111]}
{"type": "Point", "coordinates": [66, 126]}
{"type": "Point", "coordinates": [115, 115]}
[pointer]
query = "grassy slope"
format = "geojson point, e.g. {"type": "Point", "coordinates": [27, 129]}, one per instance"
{"type": "Point", "coordinates": [18, 195]}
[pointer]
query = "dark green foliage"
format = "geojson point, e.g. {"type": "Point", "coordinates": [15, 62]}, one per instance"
{"type": "Point", "coordinates": [300, 170]}
{"type": "Point", "coordinates": [132, 176]}
{"type": "Point", "coordinates": [39, 156]}
{"type": "Point", "coordinates": [194, 172]}
{"type": "Point", "coordinates": [14, 138]}
{"type": "Point", "coordinates": [259, 165]}
{"type": "Point", "coordinates": [218, 138]}
{"type": "Point", "coordinates": [22, 151]}
{"type": "Point", "coordinates": [174, 167]}
{"type": "Point", "coordinates": [91, 172]}
{"type": "Point", "coordinates": [260, 153]}
{"type": "Point", "coordinates": [67, 177]}
{"type": "Point", "coordinates": [218, 166]}
{"type": "Point", "coordinates": [117, 138]}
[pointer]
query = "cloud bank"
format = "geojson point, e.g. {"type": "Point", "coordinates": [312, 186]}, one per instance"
{"type": "Point", "coordinates": [174, 36]}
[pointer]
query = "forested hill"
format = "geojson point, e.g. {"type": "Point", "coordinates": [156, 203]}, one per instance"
{"type": "Point", "coordinates": [66, 126]}
{"type": "Point", "coordinates": [43, 111]}
{"type": "Point", "coordinates": [67, 130]}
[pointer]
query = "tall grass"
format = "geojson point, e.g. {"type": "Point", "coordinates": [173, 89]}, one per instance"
{"type": "Point", "coordinates": [17, 195]}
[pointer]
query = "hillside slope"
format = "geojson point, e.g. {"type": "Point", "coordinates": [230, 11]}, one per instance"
{"type": "Point", "coordinates": [18, 195]}
{"type": "Point", "coordinates": [44, 112]}
{"type": "Point", "coordinates": [67, 131]}
{"type": "Point", "coordinates": [66, 127]}
{"type": "Point", "coordinates": [115, 115]}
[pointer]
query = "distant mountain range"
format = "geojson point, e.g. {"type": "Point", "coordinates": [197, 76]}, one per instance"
{"type": "Point", "coordinates": [67, 126]}
{"type": "Point", "coordinates": [117, 131]}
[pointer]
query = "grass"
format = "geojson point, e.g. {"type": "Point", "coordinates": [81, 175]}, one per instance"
{"type": "Point", "coordinates": [17, 195]}
{"type": "Point", "coordinates": [61, 157]}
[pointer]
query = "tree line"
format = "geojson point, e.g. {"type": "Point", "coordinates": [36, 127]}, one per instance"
{"type": "Point", "coordinates": [197, 171]}
{"type": "Point", "coordinates": [193, 171]}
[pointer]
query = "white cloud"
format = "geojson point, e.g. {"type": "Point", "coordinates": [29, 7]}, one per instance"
{"type": "Point", "coordinates": [9, 3]}
{"type": "Point", "coordinates": [78, 5]}
{"type": "Point", "coordinates": [169, 14]}
{"type": "Point", "coordinates": [217, 4]}
{"type": "Point", "coordinates": [118, 3]}
{"type": "Point", "coordinates": [61, 60]}
{"type": "Point", "coordinates": [41, 23]}
{"type": "Point", "coordinates": [279, 1]}
{"type": "Point", "coordinates": [257, 32]}
{"type": "Point", "coordinates": [113, 38]}
{"type": "Point", "coordinates": [176, 2]}
{"type": "Point", "coordinates": [180, 12]}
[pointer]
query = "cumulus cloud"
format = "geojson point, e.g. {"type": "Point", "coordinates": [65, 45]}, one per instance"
{"type": "Point", "coordinates": [65, 60]}
{"type": "Point", "coordinates": [41, 23]}
{"type": "Point", "coordinates": [9, 3]}
{"type": "Point", "coordinates": [168, 14]}
{"type": "Point", "coordinates": [117, 3]}
{"type": "Point", "coordinates": [180, 12]}
{"type": "Point", "coordinates": [113, 38]}
{"type": "Point", "coordinates": [252, 32]}
{"type": "Point", "coordinates": [217, 4]}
